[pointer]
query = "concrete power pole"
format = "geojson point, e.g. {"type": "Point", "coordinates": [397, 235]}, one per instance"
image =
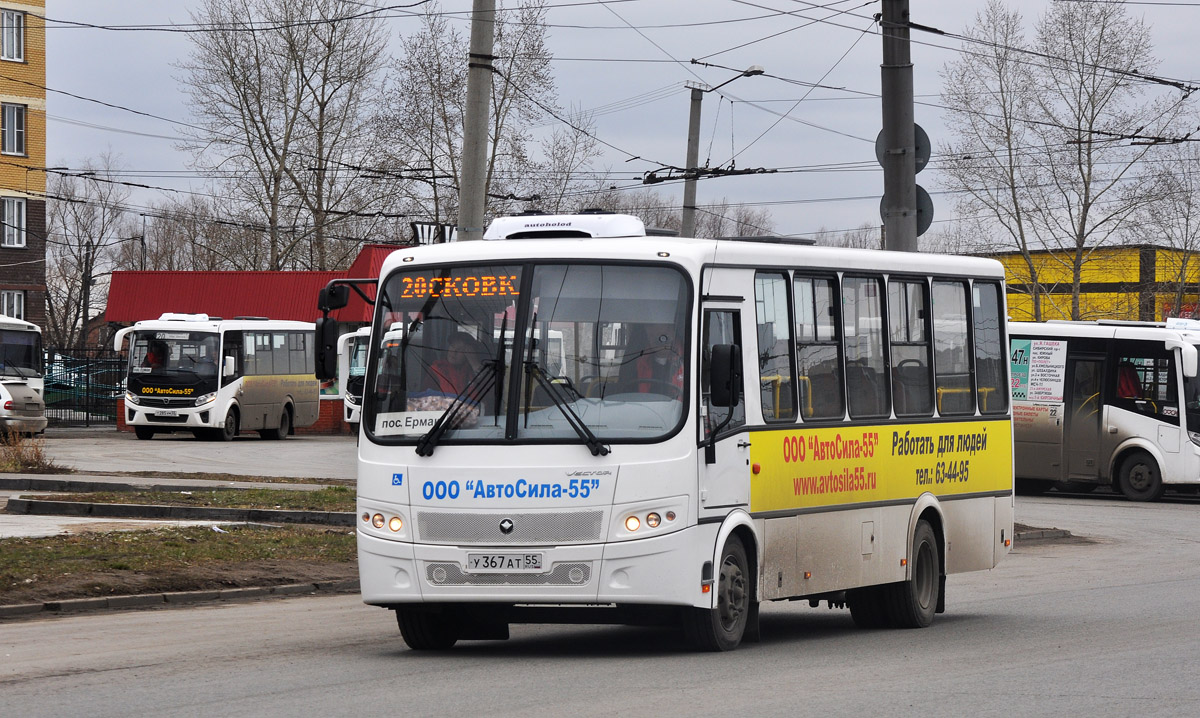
{"type": "Point", "coordinates": [688, 224]}
{"type": "Point", "coordinates": [899, 160]}
{"type": "Point", "coordinates": [471, 194]}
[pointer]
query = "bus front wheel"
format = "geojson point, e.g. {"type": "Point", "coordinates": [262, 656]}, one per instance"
{"type": "Point", "coordinates": [229, 429]}
{"type": "Point", "coordinates": [1140, 479]}
{"type": "Point", "coordinates": [912, 603]}
{"type": "Point", "coordinates": [426, 630]}
{"type": "Point", "coordinates": [143, 432]}
{"type": "Point", "coordinates": [721, 628]}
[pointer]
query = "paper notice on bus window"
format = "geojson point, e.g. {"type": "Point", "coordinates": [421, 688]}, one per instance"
{"type": "Point", "coordinates": [405, 422]}
{"type": "Point", "coordinates": [1047, 370]}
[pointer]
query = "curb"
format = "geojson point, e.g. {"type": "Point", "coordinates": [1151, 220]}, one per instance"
{"type": "Point", "coordinates": [195, 513]}
{"type": "Point", "coordinates": [1040, 534]}
{"type": "Point", "coordinates": [176, 598]}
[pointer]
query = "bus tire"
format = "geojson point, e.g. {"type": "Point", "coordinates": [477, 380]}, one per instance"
{"type": "Point", "coordinates": [426, 630]}
{"type": "Point", "coordinates": [229, 429]}
{"type": "Point", "coordinates": [285, 426]}
{"type": "Point", "coordinates": [143, 432]}
{"type": "Point", "coordinates": [867, 608]}
{"type": "Point", "coordinates": [721, 628]}
{"type": "Point", "coordinates": [1140, 478]}
{"type": "Point", "coordinates": [912, 603]}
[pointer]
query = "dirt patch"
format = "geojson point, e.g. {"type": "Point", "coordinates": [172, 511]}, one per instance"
{"type": "Point", "coordinates": [91, 584]}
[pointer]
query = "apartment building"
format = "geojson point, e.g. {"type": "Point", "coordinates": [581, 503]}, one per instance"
{"type": "Point", "coordinates": [23, 160]}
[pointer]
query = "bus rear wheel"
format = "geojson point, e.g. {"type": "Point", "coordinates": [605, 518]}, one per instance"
{"type": "Point", "coordinates": [285, 427]}
{"type": "Point", "coordinates": [912, 603]}
{"type": "Point", "coordinates": [721, 628]}
{"type": "Point", "coordinates": [143, 432]}
{"type": "Point", "coordinates": [1140, 479]}
{"type": "Point", "coordinates": [426, 630]}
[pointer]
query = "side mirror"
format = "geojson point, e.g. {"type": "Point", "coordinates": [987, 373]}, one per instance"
{"type": "Point", "coordinates": [327, 340]}
{"type": "Point", "coordinates": [228, 367]}
{"type": "Point", "coordinates": [334, 297]}
{"type": "Point", "coordinates": [725, 375]}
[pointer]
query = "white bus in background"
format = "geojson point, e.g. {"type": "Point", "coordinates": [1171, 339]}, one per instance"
{"type": "Point", "coordinates": [352, 369]}
{"type": "Point", "coordinates": [726, 423]}
{"type": "Point", "coordinates": [1106, 403]}
{"type": "Point", "coordinates": [22, 398]}
{"type": "Point", "coordinates": [217, 377]}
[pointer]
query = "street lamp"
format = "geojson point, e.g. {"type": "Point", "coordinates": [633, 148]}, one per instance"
{"type": "Point", "coordinates": [688, 226]}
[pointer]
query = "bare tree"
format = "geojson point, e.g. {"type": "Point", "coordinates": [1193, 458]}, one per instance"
{"type": "Point", "coordinates": [423, 118]}
{"type": "Point", "coordinates": [279, 88]}
{"type": "Point", "coordinates": [1172, 216]}
{"type": "Point", "coordinates": [989, 93]}
{"type": "Point", "coordinates": [85, 220]}
{"type": "Point", "coordinates": [1045, 138]}
{"type": "Point", "coordinates": [1089, 102]}
{"type": "Point", "coordinates": [865, 236]}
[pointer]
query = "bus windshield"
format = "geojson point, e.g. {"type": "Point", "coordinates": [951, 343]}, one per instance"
{"type": "Point", "coordinates": [1191, 402]}
{"type": "Point", "coordinates": [547, 352]}
{"type": "Point", "coordinates": [20, 353]}
{"type": "Point", "coordinates": [166, 358]}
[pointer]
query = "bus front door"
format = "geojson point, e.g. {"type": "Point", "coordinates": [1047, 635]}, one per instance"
{"type": "Point", "coordinates": [1085, 405]}
{"type": "Point", "coordinates": [725, 483]}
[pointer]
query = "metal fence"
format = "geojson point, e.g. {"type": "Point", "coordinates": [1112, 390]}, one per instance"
{"type": "Point", "coordinates": [83, 386]}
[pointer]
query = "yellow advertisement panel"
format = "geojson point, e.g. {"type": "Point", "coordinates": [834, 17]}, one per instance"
{"type": "Point", "coordinates": [845, 465]}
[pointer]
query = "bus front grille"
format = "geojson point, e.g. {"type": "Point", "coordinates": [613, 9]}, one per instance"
{"type": "Point", "coordinates": [490, 528]}
{"type": "Point", "coordinates": [563, 574]}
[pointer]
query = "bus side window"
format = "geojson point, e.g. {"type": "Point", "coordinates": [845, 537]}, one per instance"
{"type": "Point", "coordinates": [862, 320]}
{"type": "Point", "coordinates": [951, 342]}
{"type": "Point", "coordinates": [774, 346]}
{"type": "Point", "coordinates": [720, 327]}
{"type": "Point", "coordinates": [1145, 380]}
{"type": "Point", "coordinates": [818, 359]}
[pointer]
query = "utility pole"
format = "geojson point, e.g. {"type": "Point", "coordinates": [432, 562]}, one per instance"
{"type": "Point", "coordinates": [899, 155]}
{"type": "Point", "coordinates": [472, 192]}
{"type": "Point", "coordinates": [687, 226]}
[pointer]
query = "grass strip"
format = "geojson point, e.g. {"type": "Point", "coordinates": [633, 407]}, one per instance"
{"type": "Point", "coordinates": [210, 476]}
{"type": "Point", "coordinates": [168, 559]}
{"type": "Point", "coordinates": [331, 498]}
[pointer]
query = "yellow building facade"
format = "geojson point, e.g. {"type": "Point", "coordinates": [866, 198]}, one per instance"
{"type": "Point", "coordinates": [23, 160]}
{"type": "Point", "coordinates": [1129, 282]}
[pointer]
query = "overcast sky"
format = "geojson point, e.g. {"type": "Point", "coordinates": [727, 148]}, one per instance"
{"type": "Point", "coordinates": [626, 59]}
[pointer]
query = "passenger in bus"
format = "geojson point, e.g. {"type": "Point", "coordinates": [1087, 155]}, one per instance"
{"type": "Point", "coordinates": [1128, 384]}
{"type": "Point", "coordinates": [156, 355]}
{"type": "Point", "coordinates": [659, 364]}
{"type": "Point", "coordinates": [464, 356]}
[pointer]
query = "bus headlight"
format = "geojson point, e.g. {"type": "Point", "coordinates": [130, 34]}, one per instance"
{"type": "Point", "coordinates": [1195, 437]}
{"type": "Point", "coordinates": [351, 399]}
{"type": "Point", "coordinates": [131, 398]}
{"type": "Point", "coordinates": [202, 400]}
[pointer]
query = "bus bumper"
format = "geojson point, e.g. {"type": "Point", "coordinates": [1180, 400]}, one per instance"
{"type": "Point", "coordinates": [664, 570]}
{"type": "Point", "coordinates": [198, 418]}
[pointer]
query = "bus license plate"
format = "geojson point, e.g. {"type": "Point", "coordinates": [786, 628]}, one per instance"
{"type": "Point", "coordinates": [168, 412]}
{"type": "Point", "coordinates": [503, 562]}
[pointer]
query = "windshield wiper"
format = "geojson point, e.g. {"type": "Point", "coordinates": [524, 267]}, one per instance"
{"type": "Point", "coordinates": [564, 405]}
{"type": "Point", "coordinates": [476, 388]}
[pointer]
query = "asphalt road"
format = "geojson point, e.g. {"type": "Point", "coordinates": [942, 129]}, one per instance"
{"type": "Point", "coordinates": [302, 456]}
{"type": "Point", "coordinates": [1104, 627]}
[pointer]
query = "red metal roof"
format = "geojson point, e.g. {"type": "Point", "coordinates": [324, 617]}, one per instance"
{"type": "Point", "coordinates": [133, 296]}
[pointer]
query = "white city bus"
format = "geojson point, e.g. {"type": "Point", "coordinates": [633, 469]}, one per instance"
{"type": "Point", "coordinates": [1106, 404]}
{"type": "Point", "coordinates": [217, 377]}
{"type": "Point", "coordinates": [22, 402]}
{"type": "Point", "coordinates": [352, 371]}
{"type": "Point", "coordinates": [734, 422]}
